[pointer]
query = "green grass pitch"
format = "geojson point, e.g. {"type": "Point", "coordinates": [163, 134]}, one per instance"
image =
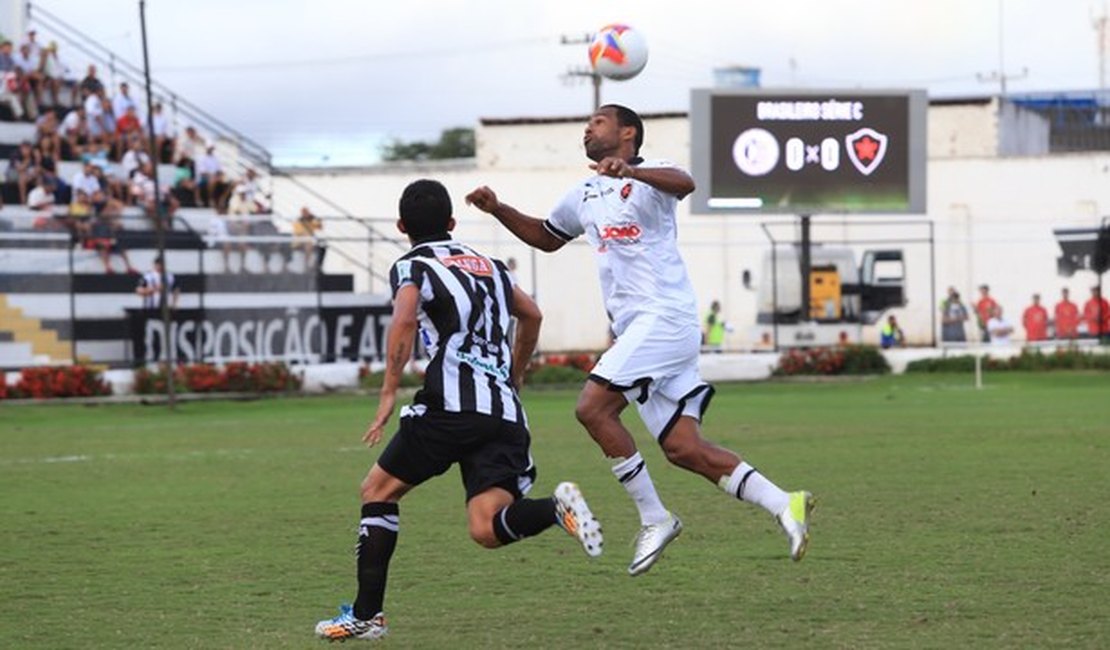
{"type": "Point", "coordinates": [947, 517]}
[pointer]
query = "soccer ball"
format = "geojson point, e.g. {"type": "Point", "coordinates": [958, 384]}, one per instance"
{"type": "Point", "coordinates": [618, 52]}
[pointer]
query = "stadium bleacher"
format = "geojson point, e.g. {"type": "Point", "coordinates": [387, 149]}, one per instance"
{"type": "Point", "coordinates": [59, 303]}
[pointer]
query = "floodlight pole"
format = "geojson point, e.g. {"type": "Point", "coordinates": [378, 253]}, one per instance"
{"type": "Point", "coordinates": [168, 347]}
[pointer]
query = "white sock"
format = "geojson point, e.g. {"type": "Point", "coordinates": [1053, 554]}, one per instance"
{"type": "Point", "coordinates": [747, 484]}
{"type": "Point", "coordinates": [633, 475]}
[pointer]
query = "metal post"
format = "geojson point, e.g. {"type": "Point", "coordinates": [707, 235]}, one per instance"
{"type": "Point", "coordinates": [932, 285]}
{"type": "Point", "coordinates": [804, 259]}
{"type": "Point", "coordinates": [774, 295]}
{"type": "Point", "coordinates": [160, 226]}
{"type": "Point", "coordinates": [72, 304]}
{"type": "Point", "coordinates": [200, 306]}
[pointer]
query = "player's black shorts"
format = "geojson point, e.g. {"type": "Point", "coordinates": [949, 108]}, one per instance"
{"type": "Point", "coordinates": [491, 452]}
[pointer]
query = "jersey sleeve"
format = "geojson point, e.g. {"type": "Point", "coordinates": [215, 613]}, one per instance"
{"type": "Point", "coordinates": [564, 222]}
{"type": "Point", "coordinates": [405, 272]}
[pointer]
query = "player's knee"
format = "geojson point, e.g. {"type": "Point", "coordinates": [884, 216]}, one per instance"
{"type": "Point", "coordinates": [483, 535]}
{"type": "Point", "coordinates": [682, 454]}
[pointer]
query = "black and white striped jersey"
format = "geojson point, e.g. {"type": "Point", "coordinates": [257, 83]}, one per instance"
{"type": "Point", "coordinates": [465, 304]}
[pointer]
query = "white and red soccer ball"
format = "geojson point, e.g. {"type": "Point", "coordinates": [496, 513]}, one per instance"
{"type": "Point", "coordinates": [618, 52]}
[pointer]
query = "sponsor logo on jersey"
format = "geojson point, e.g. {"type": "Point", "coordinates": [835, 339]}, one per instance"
{"type": "Point", "coordinates": [485, 365]}
{"type": "Point", "coordinates": [472, 264]}
{"type": "Point", "coordinates": [619, 234]}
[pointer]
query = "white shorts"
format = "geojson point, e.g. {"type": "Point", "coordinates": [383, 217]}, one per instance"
{"type": "Point", "coordinates": [655, 364]}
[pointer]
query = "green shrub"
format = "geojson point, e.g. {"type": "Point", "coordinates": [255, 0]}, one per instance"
{"type": "Point", "coordinates": [1030, 359]}
{"type": "Point", "coordinates": [551, 374]}
{"type": "Point", "coordinates": [373, 380]}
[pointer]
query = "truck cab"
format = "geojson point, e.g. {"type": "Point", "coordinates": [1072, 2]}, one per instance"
{"type": "Point", "coordinates": [844, 294]}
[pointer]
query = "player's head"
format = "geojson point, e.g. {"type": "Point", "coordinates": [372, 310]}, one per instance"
{"type": "Point", "coordinates": [1036, 299]}
{"type": "Point", "coordinates": [614, 130]}
{"type": "Point", "coordinates": [425, 211]}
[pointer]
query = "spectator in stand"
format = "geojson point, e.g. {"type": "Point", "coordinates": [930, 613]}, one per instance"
{"type": "Point", "coordinates": [1096, 314]}
{"type": "Point", "coordinates": [41, 198]}
{"type": "Point", "coordinates": [188, 151]}
{"type": "Point", "coordinates": [98, 114]}
{"type": "Point", "coordinates": [47, 137]}
{"type": "Point", "coordinates": [86, 180]}
{"type": "Point", "coordinates": [953, 315]}
{"type": "Point", "coordinates": [142, 185]}
{"type": "Point", "coordinates": [983, 310]}
{"type": "Point", "coordinates": [7, 60]}
{"type": "Point", "coordinates": [1067, 317]}
{"type": "Point", "coordinates": [206, 168]}
{"type": "Point", "coordinates": [163, 135]}
{"type": "Point", "coordinates": [123, 101]}
{"type": "Point", "coordinates": [75, 132]}
{"type": "Point", "coordinates": [33, 47]}
{"type": "Point", "coordinates": [129, 127]}
{"type": "Point", "coordinates": [998, 328]}
{"type": "Point", "coordinates": [220, 192]}
{"type": "Point", "coordinates": [135, 157]}
{"type": "Point", "coordinates": [29, 63]}
{"type": "Point", "coordinates": [91, 84]}
{"type": "Point", "coordinates": [1035, 321]}
{"type": "Point", "coordinates": [304, 237]}
{"type": "Point", "coordinates": [53, 72]}
{"type": "Point", "coordinates": [15, 91]}
{"type": "Point", "coordinates": [185, 191]}
{"type": "Point", "coordinates": [105, 239]}
{"type": "Point", "coordinates": [21, 169]}
{"type": "Point", "coordinates": [80, 217]}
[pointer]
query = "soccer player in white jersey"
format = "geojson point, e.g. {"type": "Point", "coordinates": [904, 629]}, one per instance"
{"type": "Point", "coordinates": [467, 412]}
{"type": "Point", "coordinates": [627, 213]}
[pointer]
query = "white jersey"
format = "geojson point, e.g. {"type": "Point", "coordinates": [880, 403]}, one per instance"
{"type": "Point", "coordinates": [632, 227]}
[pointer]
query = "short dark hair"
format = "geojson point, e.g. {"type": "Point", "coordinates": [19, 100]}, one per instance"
{"type": "Point", "coordinates": [628, 117]}
{"type": "Point", "coordinates": [425, 208]}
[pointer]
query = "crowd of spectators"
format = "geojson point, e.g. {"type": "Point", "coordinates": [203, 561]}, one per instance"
{"type": "Point", "coordinates": [80, 120]}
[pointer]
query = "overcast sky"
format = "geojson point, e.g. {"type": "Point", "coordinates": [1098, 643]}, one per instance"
{"type": "Point", "coordinates": [329, 80]}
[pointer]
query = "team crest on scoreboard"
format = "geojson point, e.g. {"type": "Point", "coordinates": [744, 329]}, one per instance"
{"type": "Point", "coordinates": [866, 149]}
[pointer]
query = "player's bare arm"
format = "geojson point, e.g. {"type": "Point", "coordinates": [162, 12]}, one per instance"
{"type": "Point", "coordinates": [665, 179]}
{"type": "Point", "coordinates": [528, 229]}
{"type": "Point", "coordinates": [402, 334]}
{"type": "Point", "coordinates": [528, 317]}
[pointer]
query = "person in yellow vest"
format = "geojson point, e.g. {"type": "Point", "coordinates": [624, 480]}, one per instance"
{"type": "Point", "coordinates": [713, 336]}
{"type": "Point", "coordinates": [890, 335]}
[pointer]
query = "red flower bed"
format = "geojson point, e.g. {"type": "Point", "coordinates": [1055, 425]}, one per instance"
{"type": "Point", "coordinates": [235, 377]}
{"type": "Point", "coordinates": [61, 381]}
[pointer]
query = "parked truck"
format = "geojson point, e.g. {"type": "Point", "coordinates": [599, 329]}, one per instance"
{"type": "Point", "coordinates": [844, 295]}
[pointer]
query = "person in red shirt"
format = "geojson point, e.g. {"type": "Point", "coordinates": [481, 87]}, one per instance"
{"type": "Point", "coordinates": [1035, 320]}
{"type": "Point", "coordinates": [129, 123]}
{"type": "Point", "coordinates": [984, 309]}
{"type": "Point", "coordinates": [1094, 310]}
{"type": "Point", "coordinates": [1067, 317]}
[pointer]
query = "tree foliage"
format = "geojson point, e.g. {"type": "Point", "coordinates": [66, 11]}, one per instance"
{"type": "Point", "coordinates": [453, 143]}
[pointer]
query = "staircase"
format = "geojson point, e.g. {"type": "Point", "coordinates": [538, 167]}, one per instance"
{"type": "Point", "coordinates": [19, 329]}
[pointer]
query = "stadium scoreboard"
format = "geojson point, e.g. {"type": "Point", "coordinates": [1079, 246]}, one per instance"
{"type": "Point", "coordinates": [769, 151]}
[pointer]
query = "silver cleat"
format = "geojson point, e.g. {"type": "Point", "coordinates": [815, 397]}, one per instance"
{"type": "Point", "coordinates": [650, 543]}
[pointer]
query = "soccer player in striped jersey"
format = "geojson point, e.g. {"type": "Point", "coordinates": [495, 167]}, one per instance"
{"type": "Point", "coordinates": [627, 210]}
{"type": "Point", "coordinates": [468, 411]}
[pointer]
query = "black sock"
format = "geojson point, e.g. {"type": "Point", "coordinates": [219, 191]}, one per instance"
{"type": "Point", "coordinates": [377, 537]}
{"type": "Point", "coordinates": [523, 518]}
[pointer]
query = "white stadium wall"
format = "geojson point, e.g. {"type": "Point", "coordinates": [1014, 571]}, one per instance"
{"type": "Point", "coordinates": [993, 221]}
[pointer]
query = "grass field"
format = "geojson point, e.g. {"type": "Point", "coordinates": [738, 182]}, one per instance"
{"type": "Point", "coordinates": [947, 517]}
